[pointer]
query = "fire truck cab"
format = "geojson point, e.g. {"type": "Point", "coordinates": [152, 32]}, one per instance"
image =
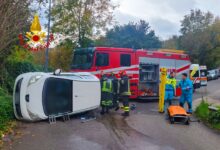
{"type": "Point", "coordinates": [142, 66]}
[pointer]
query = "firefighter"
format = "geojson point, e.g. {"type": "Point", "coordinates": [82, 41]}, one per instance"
{"type": "Point", "coordinates": [115, 91]}
{"type": "Point", "coordinates": [125, 92]}
{"type": "Point", "coordinates": [106, 94]}
{"type": "Point", "coordinates": [169, 90]}
{"type": "Point", "coordinates": [187, 92]}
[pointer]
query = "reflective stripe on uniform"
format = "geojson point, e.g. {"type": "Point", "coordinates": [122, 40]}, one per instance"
{"type": "Point", "coordinates": [126, 109]}
{"type": "Point", "coordinates": [107, 86]}
{"type": "Point", "coordinates": [106, 103]}
{"type": "Point", "coordinates": [103, 103]}
{"type": "Point", "coordinates": [109, 102]}
{"type": "Point", "coordinates": [171, 81]}
{"type": "Point", "coordinates": [127, 92]}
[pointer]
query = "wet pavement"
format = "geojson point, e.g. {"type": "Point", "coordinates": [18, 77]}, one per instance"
{"type": "Point", "coordinates": [145, 129]}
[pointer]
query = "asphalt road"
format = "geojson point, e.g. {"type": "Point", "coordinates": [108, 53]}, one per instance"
{"type": "Point", "coordinates": [145, 129]}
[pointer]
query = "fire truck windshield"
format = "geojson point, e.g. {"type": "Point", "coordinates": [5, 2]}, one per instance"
{"type": "Point", "coordinates": [82, 59]}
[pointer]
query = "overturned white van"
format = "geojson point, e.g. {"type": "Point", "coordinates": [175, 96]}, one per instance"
{"type": "Point", "coordinates": [38, 95]}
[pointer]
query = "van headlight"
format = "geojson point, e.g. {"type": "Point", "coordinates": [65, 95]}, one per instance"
{"type": "Point", "coordinates": [34, 79]}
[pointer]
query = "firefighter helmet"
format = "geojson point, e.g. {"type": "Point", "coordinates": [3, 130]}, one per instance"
{"type": "Point", "coordinates": [123, 72]}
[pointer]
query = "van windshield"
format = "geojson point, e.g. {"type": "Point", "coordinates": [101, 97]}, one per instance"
{"type": "Point", "coordinates": [82, 59]}
{"type": "Point", "coordinates": [196, 74]}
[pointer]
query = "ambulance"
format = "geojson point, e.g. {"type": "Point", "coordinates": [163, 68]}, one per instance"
{"type": "Point", "coordinates": [141, 65]}
{"type": "Point", "coordinates": [203, 73]}
{"type": "Point", "coordinates": [195, 75]}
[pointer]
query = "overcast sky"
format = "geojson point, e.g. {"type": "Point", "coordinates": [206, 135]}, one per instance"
{"type": "Point", "coordinates": [163, 15]}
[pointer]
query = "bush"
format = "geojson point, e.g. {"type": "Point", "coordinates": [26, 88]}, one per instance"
{"type": "Point", "coordinates": [202, 111]}
{"type": "Point", "coordinates": [6, 110]}
{"type": "Point", "coordinates": [13, 69]}
{"type": "Point", "coordinates": [214, 117]}
{"type": "Point", "coordinates": [20, 61]}
{"type": "Point", "coordinates": [211, 118]}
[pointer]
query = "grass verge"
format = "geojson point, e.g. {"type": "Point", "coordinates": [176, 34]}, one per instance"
{"type": "Point", "coordinates": [6, 113]}
{"type": "Point", "coordinates": [209, 117]}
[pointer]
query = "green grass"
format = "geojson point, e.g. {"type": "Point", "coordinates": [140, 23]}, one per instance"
{"type": "Point", "coordinates": [210, 118]}
{"type": "Point", "coordinates": [202, 111]}
{"type": "Point", "coordinates": [216, 126]}
{"type": "Point", "coordinates": [6, 111]}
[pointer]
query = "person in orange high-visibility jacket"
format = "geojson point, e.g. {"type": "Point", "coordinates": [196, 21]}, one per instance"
{"type": "Point", "coordinates": [124, 90]}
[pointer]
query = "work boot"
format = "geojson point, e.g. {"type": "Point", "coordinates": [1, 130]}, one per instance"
{"type": "Point", "coordinates": [116, 108]}
{"type": "Point", "coordinates": [107, 110]}
{"type": "Point", "coordinates": [189, 108]}
{"type": "Point", "coordinates": [167, 117]}
{"type": "Point", "coordinates": [125, 114]}
{"type": "Point", "coordinates": [102, 111]}
{"type": "Point", "coordinates": [189, 111]}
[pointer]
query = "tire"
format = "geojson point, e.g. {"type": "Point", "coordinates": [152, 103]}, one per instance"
{"type": "Point", "coordinates": [187, 122]}
{"type": "Point", "coordinates": [171, 120]}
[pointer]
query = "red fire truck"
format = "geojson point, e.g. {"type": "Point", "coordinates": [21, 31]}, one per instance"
{"type": "Point", "coordinates": [141, 65]}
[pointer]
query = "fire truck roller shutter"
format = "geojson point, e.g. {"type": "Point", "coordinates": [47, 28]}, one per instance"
{"type": "Point", "coordinates": [169, 64]}
{"type": "Point", "coordinates": [148, 60]}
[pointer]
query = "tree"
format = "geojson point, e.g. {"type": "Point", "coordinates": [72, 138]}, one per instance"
{"type": "Point", "coordinates": [201, 38]}
{"type": "Point", "coordinates": [213, 56]}
{"type": "Point", "coordinates": [195, 38]}
{"type": "Point", "coordinates": [78, 19]}
{"type": "Point", "coordinates": [172, 43]}
{"type": "Point", "coordinates": [14, 19]}
{"type": "Point", "coordinates": [196, 21]}
{"type": "Point", "coordinates": [131, 35]}
{"type": "Point", "coordinates": [61, 56]}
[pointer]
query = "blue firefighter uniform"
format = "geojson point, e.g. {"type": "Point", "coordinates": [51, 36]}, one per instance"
{"type": "Point", "coordinates": [187, 93]}
{"type": "Point", "coordinates": [169, 91]}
